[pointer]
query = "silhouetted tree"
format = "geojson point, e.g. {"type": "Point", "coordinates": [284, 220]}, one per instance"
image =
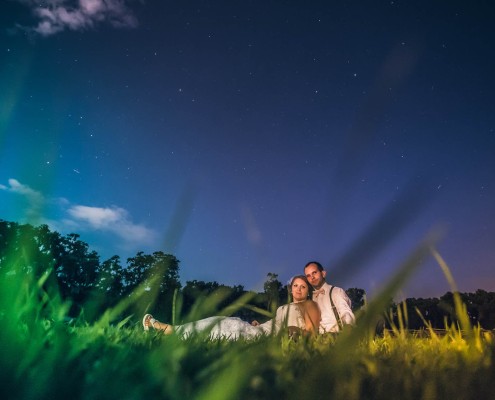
{"type": "Point", "coordinates": [357, 296]}
{"type": "Point", "coordinates": [194, 292]}
{"type": "Point", "coordinates": [20, 249]}
{"type": "Point", "coordinates": [110, 283]}
{"type": "Point", "coordinates": [159, 274]}
{"type": "Point", "coordinates": [25, 249]}
{"type": "Point", "coordinates": [274, 291]}
{"type": "Point", "coordinates": [76, 268]}
{"type": "Point", "coordinates": [481, 308]}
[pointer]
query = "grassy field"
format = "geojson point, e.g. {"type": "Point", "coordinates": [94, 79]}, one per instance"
{"type": "Point", "coordinates": [44, 355]}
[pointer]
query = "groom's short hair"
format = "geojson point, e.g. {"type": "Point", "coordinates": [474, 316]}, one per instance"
{"type": "Point", "coordinates": [318, 265]}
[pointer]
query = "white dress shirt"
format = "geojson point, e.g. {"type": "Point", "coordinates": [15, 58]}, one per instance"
{"type": "Point", "coordinates": [342, 304]}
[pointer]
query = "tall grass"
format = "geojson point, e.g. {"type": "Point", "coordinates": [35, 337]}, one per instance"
{"type": "Point", "coordinates": [45, 355]}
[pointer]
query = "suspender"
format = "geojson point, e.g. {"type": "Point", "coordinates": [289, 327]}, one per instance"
{"type": "Point", "coordinates": [334, 309]}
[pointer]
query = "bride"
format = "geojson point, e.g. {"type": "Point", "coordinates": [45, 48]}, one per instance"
{"type": "Point", "coordinates": [301, 315]}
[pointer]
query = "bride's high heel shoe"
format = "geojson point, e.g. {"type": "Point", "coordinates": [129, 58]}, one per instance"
{"type": "Point", "coordinates": [148, 321]}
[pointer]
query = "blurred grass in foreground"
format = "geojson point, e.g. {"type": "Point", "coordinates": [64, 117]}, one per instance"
{"type": "Point", "coordinates": [43, 355]}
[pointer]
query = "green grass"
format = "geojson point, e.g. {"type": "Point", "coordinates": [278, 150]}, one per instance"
{"type": "Point", "coordinates": [44, 355]}
{"type": "Point", "coordinates": [60, 361]}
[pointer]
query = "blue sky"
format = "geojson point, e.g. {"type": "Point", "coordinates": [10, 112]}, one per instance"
{"type": "Point", "coordinates": [250, 137]}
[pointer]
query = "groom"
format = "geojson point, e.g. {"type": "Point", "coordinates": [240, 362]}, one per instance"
{"type": "Point", "coordinates": [335, 305]}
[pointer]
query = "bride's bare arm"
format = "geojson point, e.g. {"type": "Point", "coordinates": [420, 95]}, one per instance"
{"type": "Point", "coordinates": [312, 317]}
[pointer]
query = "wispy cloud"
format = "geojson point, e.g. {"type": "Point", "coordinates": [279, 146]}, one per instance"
{"type": "Point", "coordinates": [113, 220]}
{"type": "Point", "coordinates": [16, 187]}
{"type": "Point", "coordinates": [55, 16]}
{"type": "Point", "coordinates": [35, 199]}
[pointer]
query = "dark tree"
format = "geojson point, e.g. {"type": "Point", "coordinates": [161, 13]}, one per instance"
{"type": "Point", "coordinates": [34, 251]}
{"type": "Point", "coordinates": [19, 249]}
{"type": "Point", "coordinates": [158, 275]}
{"type": "Point", "coordinates": [110, 283]}
{"type": "Point", "coordinates": [195, 289]}
{"type": "Point", "coordinates": [481, 308]}
{"type": "Point", "coordinates": [111, 277]}
{"type": "Point", "coordinates": [446, 305]}
{"type": "Point", "coordinates": [357, 296]}
{"type": "Point", "coordinates": [221, 296]}
{"type": "Point", "coordinates": [275, 292]}
{"type": "Point", "coordinates": [76, 268]}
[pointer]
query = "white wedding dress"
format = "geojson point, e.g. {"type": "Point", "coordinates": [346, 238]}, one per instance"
{"type": "Point", "coordinates": [232, 328]}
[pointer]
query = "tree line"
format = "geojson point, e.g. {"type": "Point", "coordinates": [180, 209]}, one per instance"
{"type": "Point", "coordinates": [92, 286]}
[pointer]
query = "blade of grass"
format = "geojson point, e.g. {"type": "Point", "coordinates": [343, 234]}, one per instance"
{"type": "Point", "coordinates": [459, 306]}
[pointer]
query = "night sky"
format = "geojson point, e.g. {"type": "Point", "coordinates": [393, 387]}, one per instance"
{"type": "Point", "coordinates": [248, 137]}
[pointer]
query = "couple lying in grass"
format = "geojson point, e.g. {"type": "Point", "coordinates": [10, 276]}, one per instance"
{"type": "Point", "coordinates": [316, 307]}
